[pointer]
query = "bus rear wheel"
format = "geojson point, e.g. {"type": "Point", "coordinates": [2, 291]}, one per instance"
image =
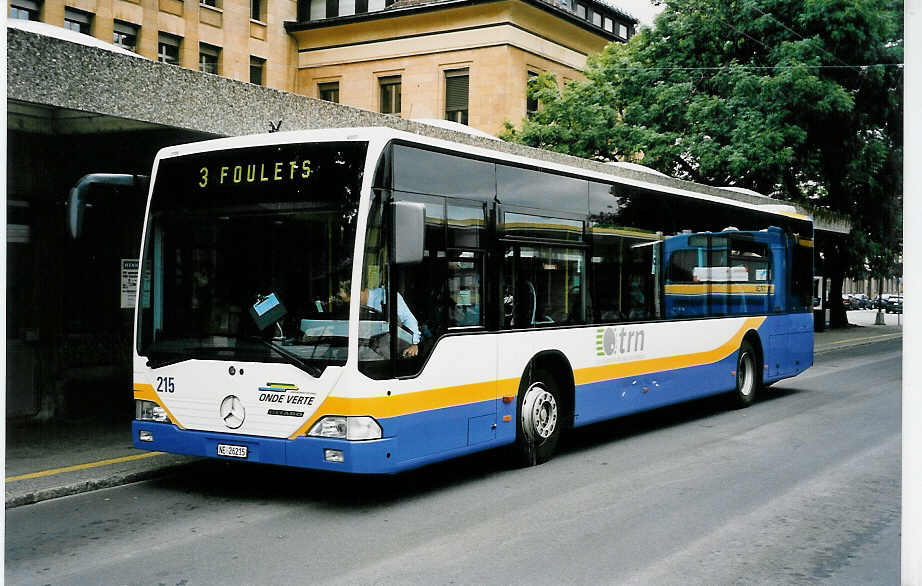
{"type": "Point", "coordinates": [747, 376]}
{"type": "Point", "coordinates": [539, 418]}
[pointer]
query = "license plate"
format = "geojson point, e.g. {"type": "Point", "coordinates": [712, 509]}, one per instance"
{"type": "Point", "coordinates": [232, 451]}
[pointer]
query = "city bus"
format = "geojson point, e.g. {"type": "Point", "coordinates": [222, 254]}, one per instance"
{"type": "Point", "coordinates": [368, 300]}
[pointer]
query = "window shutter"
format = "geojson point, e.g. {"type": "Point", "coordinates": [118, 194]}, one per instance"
{"type": "Point", "coordinates": [456, 90]}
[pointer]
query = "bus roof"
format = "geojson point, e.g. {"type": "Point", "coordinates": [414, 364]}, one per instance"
{"type": "Point", "coordinates": [381, 135]}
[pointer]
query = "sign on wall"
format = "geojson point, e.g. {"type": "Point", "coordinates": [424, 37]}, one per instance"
{"type": "Point", "coordinates": [129, 282]}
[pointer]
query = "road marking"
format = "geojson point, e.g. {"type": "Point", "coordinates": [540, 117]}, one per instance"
{"type": "Point", "coordinates": [54, 471]}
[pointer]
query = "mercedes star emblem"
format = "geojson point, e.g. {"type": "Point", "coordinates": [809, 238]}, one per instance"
{"type": "Point", "coordinates": [232, 412]}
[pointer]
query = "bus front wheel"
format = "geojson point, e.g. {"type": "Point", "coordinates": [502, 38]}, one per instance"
{"type": "Point", "coordinates": [539, 418]}
{"type": "Point", "coordinates": [747, 375]}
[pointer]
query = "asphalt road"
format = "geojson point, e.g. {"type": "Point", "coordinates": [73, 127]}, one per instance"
{"type": "Point", "coordinates": [802, 487]}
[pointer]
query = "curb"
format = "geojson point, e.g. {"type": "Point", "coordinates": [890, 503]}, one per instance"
{"type": "Point", "coordinates": [852, 343]}
{"type": "Point", "coordinates": [44, 494]}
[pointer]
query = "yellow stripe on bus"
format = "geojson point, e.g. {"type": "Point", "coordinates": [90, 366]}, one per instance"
{"type": "Point", "coordinates": [396, 405]}
{"type": "Point", "coordinates": [653, 236]}
{"type": "Point", "coordinates": [596, 374]}
{"type": "Point", "coordinates": [383, 407]}
{"type": "Point", "coordinates": [147, 393]}
{"type": "Point", "coordinates": [730, 288]}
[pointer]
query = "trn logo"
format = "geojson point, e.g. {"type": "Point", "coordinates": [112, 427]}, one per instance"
{"type": "Point", "coordinates": [619, 341]}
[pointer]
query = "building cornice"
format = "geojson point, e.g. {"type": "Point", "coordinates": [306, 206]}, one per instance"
{"type": "Point", "coordinates": [293, 27]}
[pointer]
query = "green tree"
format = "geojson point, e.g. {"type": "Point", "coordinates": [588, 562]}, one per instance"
{"type": "Point", "coordinates": [797, 99]}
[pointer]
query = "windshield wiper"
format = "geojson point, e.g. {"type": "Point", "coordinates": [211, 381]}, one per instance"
{"type": "Point", "coordinates": [309, 368]}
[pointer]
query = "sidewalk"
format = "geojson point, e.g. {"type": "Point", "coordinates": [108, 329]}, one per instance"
{"type": "Point", "coordinates": [45, 461]}
{"type": "Point", "coordinates": [861, 331]}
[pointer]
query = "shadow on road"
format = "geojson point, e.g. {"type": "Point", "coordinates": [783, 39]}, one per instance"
{"type": "Point", "coordinates": [591, 436]}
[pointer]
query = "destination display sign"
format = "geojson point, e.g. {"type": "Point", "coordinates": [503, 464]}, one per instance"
{"type": "Point", "coordinates": [328, 172]}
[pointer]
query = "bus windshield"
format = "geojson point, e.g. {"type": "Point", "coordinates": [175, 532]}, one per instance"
{"type": "Point", "coordinates": [245, 252]}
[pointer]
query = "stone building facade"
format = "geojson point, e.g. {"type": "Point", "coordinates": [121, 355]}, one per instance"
{"type": "Point", "coordinates": [465, 60]}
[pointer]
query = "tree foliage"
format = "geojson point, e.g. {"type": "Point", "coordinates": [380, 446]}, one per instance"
{"type": "Point", "coordinates": [798, 99]}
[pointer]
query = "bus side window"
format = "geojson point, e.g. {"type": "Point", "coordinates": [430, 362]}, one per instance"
{"type": "Point", "coordinates": [750, 277]}
{"type": "Point", "coordinates": [686, 295]}
{"type": "Point", "coordinates": [801, 273]}
{"type": "Point", "coordinates": [608, 270]}
{"type": "Point", "coordinates": [445, 291]}
{"type": "Point", "coordinates": [625, 280]}
{"type": "Point", "coordinates": [543, 286]}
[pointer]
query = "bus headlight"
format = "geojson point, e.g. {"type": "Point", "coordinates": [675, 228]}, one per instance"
{"type": "Point", "coordinates": [349, 428]}
{"type": "Point", "coordinates": [150, 411]}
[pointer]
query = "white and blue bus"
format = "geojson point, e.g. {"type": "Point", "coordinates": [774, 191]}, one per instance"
{"type": "Point", "coordinates": [369, 300]}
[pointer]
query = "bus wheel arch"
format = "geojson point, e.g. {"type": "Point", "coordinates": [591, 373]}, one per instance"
{"type": "Point", "coordinates": [544, 407]}
{"type": "Point", "coordinates": [749, 370]}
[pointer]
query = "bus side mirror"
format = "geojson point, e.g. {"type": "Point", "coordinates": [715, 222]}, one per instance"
{"type": "Point", "coordinates": [408, 232]}
{"type": "Point", "coordinates": [77, 201]}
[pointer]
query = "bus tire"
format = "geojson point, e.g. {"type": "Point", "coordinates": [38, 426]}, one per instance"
{"type": "Point", "coordinates": [747, 375]}
{"type": "Point", "coordinates": [539, 418]}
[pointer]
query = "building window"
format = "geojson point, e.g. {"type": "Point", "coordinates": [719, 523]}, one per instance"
{"type": "Point", "coordinates": [346, 8]}
{"type": "Point", "coordinates": [257, 70]}
{"type": "Point", "coordinates": [581, 10]}
{"type": "Point", "coordinates": [208, 56]}
{"type": "Point", "coordinates": [24, 10]}
{"type": "Point", "coordinates": [125, 35]}
{"type": "Point", "coordinates": [390, 94]}
{"type": "Point", "coordinates": [168, 49]}
{"type": "Point", "coordinates": [531, 104]}
{"type": "Point", "coordinates": [609, 25]}
{"type": "Point", "coordinates": [597, 18]}
{"type": "Point", "coordinates": [77, 20]}
{"type": "Point", "coordinates": [622, 31]}
{"type": "Point", "coordinates": [329, 91]}
{"type": "Point", "coordinates": [457, 83]}
{"type": "Point", "coordinates": [256, 10]}
{"type": "Point", "coordinates": [212, 3]}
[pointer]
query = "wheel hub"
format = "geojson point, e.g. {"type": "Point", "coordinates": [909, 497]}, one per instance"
{"type": "Point", "coordinates": [539, 413]}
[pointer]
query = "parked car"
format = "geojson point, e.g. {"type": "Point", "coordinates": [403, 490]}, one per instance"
{"type": "Point", "coordinates": [862, 301]}
{"type": "Point", "coordinates": [880, 302]}
{"type": "Point", "coordinates": [894, 304]}
{"type": "Point", "coordinates": [848, 301]}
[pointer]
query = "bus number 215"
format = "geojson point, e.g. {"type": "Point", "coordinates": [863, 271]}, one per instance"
{"type": "Point", "coordinates": [165, 384]}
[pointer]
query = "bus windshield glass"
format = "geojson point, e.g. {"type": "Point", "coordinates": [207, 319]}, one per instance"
{"type": "Point", "coordinates": [245, 252]}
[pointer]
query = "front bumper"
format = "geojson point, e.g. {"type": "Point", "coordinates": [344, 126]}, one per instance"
{"type": "Point", "coordinates": [359, 457]}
